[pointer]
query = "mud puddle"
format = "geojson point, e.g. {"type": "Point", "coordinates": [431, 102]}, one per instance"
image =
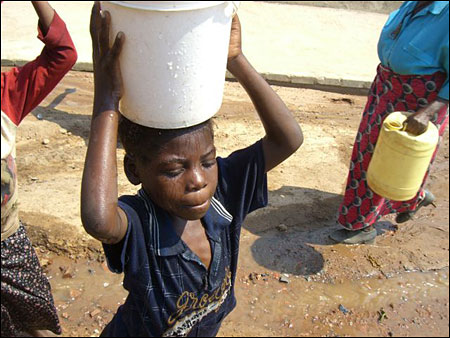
{"type": "Point", "coordinates": [87, 295]}
{"type": "Point", "coordinates": [363, 307]}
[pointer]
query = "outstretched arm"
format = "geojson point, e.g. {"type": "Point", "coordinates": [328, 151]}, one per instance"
{"type": "Point", "coordinates": [100, 214]}
{"type": "Point", "coordinates": [25, 87]}
{"type": "Point", "coordinates": [283, 133]}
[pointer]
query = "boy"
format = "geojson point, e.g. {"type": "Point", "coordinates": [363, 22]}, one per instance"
{"type": "Point", "coordinates": [27, 304]}
{"type": "Point", "coordinates": [177, 240]}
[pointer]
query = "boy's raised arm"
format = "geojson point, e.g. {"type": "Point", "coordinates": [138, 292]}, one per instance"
{"type": "Point", "coordinates": [283, 133]}
{"type": "Point", "coordinates": [100, 214]}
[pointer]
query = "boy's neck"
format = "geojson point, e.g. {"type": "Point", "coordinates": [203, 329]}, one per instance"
{"type": "Point", "coordinates": [194, 235]}
{"type": "Point", "coordinates": [180, 225]}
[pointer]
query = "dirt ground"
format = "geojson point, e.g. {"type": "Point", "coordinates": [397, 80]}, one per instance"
{"type": "Point", "coordinates": [292, 280]}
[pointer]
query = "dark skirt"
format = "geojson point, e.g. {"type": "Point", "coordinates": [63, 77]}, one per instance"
{"type": "Point", "coordinates": [27, 303]}
{"type": "Point", "coordinates": [389, 92]}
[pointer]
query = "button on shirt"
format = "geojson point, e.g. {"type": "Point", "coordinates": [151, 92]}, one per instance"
{"type": "Point", "coordinates": [421, 45]}
{"type": "Point", "coordinates": [171, 292]}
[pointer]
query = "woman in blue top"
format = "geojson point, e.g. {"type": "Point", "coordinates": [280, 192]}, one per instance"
{"type": "Point", "coordinates": [412, 76]}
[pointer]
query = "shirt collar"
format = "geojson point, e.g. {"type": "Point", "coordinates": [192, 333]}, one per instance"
{"type": "Point", "coordinates": [166, 241]}
{"type": "Point", "coordinates": [434, 8]}
{"type": "Point", "coordinates": [437, 7]}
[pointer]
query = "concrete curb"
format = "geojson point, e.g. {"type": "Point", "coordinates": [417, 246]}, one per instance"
{"type": "Point", "coordinates": [345, 86]}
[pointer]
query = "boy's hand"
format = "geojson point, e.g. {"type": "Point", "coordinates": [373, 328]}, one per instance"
{"type": "Point", "coordinates": [107, 75]}
{"type": "Point", "coordinates": [235, 47]}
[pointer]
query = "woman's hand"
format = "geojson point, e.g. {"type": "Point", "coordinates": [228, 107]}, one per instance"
{"type": "Point", "coordinates": [107, 75]}
{"type": "Point", "coordinates": [235, 47]}
{"type": "Point", "coordinates": [417, 123]}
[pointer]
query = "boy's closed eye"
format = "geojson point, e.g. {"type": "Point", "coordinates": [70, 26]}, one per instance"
{"type": "Point", "coordinates": [177, 168]}
{"type": "Point", "coordinates": [172, 172]}
{"type": "Point", "coordinates": [209, 163]}
{"type": "Point", "coordinates": [176, 165]}
{"type": "Point", "coordinates": [172, 168]}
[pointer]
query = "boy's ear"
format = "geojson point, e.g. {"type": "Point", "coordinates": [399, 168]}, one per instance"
{"type": "Point", "coordinates": [129, 164]}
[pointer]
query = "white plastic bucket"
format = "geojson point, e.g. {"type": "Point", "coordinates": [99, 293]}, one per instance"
{"type": "Point", "coordinates": [174, 59]}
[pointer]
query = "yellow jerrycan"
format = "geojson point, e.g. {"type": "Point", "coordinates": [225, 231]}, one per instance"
{"type": "Point", "coordinates": [401, 159]}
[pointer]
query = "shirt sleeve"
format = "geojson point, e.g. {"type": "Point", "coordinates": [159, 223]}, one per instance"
{"type": "Point", "coordinates": [116, 254]}
{"type": "Point", "coordinates": [23, 88]}
{"type": "Point", "coordinates": [242, 181]}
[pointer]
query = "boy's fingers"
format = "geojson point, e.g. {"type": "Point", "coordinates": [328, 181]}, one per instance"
{"type": "Point", "coordinates": [104, 32]}
{"type": "Point", "coordinates": [235, 20]}
{"type": "Point", "coordinates": [118, 44]}
{"type": "Point", "coordinates": [95, 13]}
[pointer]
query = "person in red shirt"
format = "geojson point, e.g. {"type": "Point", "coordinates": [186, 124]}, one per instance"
{"type": "Point", "coordinates": [26, 302]}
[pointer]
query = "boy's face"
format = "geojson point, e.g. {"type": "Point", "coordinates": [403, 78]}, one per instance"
{"type": "Point", "coordinates": [182, 177]}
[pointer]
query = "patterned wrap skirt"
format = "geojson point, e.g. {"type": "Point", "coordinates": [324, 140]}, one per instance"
{"type": "Point", "coordinates": [389, 92]}
{"type": "Point", "coordinates": [26, 303]}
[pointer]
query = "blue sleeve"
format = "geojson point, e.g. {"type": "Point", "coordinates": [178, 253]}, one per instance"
{"type": "Point", "coordinates": [242, 184]}
{"type": "Point", "coordinates": [118, 255]}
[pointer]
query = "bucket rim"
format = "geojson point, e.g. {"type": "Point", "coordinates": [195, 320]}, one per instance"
{"type": "Point", "coordinates": [167, 6]}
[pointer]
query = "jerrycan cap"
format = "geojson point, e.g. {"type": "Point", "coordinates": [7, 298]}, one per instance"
{"type": "Point", "coordinates": [396, 121]}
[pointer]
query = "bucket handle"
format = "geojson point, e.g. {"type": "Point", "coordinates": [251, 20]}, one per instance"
{"type": "Point", "coordinates": [235, 7]}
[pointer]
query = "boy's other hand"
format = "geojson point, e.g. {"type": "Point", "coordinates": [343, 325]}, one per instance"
{"type": "Point", "coordinates": [235, 47]}
{"type": "Point", "coordinates": [107, 75]}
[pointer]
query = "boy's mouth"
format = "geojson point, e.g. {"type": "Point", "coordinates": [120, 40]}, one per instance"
{"type": "Point", "coordinates": [197, 207]}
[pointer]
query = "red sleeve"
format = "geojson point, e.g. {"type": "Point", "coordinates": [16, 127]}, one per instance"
{"type": "Point", "coordinates": [25, 87]}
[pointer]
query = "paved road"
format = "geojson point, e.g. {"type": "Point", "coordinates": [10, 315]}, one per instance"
{"type": "Point", "coordinates": [291, 44]}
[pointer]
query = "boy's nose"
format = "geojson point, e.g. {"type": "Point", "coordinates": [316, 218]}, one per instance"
{"type": "Point", "coordinates": [197, 180]}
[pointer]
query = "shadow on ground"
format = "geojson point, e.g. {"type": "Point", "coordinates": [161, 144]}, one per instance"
{"type": "Point", "coordinates": [296, 221]}
{"type": "Point", "coordinates": [77, 124]}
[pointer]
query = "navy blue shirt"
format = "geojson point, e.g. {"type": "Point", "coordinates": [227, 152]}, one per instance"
{"type": "Point", "coordinates": [171, 292]}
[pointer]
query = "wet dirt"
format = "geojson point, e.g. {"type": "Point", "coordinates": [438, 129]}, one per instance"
{"type": "Point", "coordinates": [292, 280]}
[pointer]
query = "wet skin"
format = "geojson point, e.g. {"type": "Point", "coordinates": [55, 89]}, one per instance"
{"type": "Point", "coordinates": [181, 179]}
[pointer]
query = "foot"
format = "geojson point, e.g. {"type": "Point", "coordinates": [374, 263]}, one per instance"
{"type": "Point", "coordinates": [363, 236]}
{"type": "Point", "coordinates": [427, 199]}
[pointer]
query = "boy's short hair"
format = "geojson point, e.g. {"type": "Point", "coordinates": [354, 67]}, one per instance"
{"type": "Point", "coordinates": [133, 136]}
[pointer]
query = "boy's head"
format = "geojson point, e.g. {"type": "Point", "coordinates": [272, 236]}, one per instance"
{"type": "Point", "coordinates": [176, 167]}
